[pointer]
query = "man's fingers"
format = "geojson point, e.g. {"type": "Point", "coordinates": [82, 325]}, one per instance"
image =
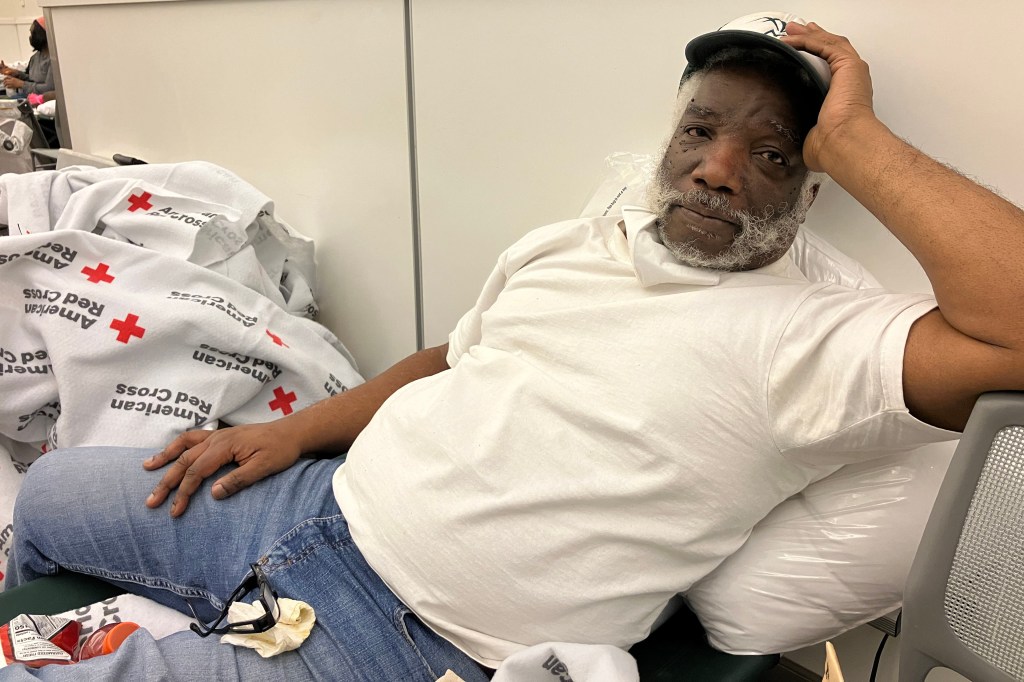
{"type": "Point", "coordinates": [242, 477]}
{"type": "Point", "coordinates": [175, 448]}
{"type": "Point", "coordinates": [256, 467]}
{"type": "Point", "coordinates": [173, 476]}
{"type": "Point", "coordinates": [208, 461]}
{"type": "Point", "coordinates": [812, 38]}
{"type": "Point", "coordinates": [195, 456]}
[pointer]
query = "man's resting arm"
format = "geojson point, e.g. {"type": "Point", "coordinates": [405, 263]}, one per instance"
{"type": "Point", "coordinates": [969, 241]}
{"type": "Point", "coordinates": [329, 427]}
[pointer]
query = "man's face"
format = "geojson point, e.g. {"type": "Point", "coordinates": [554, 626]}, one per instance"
{"type": "Point", "coordinates": [729, 192]}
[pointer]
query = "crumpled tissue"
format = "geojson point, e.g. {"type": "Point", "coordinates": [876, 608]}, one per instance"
{"type": "Point", "coordinates": [292, 628]}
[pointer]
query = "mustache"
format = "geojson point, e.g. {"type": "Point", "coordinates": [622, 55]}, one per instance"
{"type": "Point", "coordinates": [715, 203]}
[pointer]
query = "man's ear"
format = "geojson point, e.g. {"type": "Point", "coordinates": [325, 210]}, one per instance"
{"type": "Point", "coordinates": [813, 190]}
{"type": "Point", "coordinates": [809, 195]}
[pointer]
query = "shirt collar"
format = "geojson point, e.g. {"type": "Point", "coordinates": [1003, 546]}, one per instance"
{"type": "Point", "coordinates": [654, 264]}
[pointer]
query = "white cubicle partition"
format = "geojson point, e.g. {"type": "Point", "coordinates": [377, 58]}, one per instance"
{"type": "Point", "coordinates": [10, 45]}
{"type": "Point", "coordinates": [306, 99]}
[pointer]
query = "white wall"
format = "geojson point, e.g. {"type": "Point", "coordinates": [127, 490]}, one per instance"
{"type": "Point", "coordinates": [14, 45]}
{"type": "Point", "coordinates": [518, 104]}
{"type": "Point", "coordinates": [16, 17]}
{"type": "Point", "coordinates": [20, 8]}
{"type": "Point", "coordinates": [305, 99]}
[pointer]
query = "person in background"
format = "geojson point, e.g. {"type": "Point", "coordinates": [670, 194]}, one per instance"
{"type": "Point", "coordinates": [38, 78]}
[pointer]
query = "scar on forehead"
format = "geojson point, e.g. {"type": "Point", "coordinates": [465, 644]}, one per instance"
{"type": "Point", "coordinates": [709, 114]}
{"type": "Point", "coordinates": [701, 111]}
{"type": "Point", "coordinates": [785, 131]}
{"type": "Point", "coordinates": [693, 109]}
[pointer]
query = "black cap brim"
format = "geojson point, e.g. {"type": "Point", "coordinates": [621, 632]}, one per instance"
{"type": "Point", "coordinates": [701, 48]}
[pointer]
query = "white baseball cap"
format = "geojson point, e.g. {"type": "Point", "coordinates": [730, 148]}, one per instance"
{"type": "Point", "coordinates": [761, 29]}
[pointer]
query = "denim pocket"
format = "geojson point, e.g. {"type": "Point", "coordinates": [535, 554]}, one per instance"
{"type": "Point", "coordinates": [412, 628]}
{"type": "Point", "coordinates": [304, 539]}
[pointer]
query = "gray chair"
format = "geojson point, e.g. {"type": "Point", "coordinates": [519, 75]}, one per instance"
{"type": "Point", "coordinates": [963, 607]}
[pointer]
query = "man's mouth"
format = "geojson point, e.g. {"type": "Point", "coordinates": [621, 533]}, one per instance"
{"type": "Point", "coordinates": [707, 223]}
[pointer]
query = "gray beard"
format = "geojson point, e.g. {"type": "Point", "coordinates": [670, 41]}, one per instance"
{"type": "Point", "coordinates": [762, 238]}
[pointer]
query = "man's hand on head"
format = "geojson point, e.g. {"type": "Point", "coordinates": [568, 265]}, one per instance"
{"type": "Point", "coordinates": [969, 240]}
{"type": "Point", "coordinates": [849, 99]}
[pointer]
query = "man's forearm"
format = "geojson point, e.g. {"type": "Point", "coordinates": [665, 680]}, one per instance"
{"type": "Point", "coordinates": [969, 241]}
{"type": "Point", "coordinates": [331, 425]}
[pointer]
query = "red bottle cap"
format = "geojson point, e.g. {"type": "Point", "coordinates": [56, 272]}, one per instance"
{"type": "Point", "coordinates": [118, 634]}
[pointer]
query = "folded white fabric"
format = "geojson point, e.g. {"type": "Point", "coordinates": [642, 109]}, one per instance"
{"type": "Point", "coordinates": [194, 211]}
{"type": "Point", "coordinates": [566, 662]}
{"type": "Point", "coordinates": [48, 108]}
{"type": "Point", "coordinates": [292, 628]}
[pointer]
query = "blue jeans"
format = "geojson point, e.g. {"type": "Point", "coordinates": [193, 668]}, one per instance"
{"type": "Point", "coordinates": [82, 510]}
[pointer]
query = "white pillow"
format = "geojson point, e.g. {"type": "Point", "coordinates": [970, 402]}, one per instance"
{"type": "Point", "coordinates": [837, 554]}
{"type": "Point", "coordinates": [826, 560]}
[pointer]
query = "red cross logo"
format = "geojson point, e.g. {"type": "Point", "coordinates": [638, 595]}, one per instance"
{"type": "Point", "coordinates": [282, 401]}
{"type": "Point", "coordinates": [98, 273]}
{"type": "Point", "coordinates": [141, 201]}
{"type": "Point", "coordinates": [127, 328]}
{"type": "Point", "coordinates": [277, 339]}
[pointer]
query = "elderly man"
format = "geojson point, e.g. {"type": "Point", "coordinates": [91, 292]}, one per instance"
{"type": "Point", "coordinates": [625, 401]}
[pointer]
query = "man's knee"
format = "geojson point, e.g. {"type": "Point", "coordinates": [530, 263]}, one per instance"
{"type": "Point", "coordinates": [60, 482]}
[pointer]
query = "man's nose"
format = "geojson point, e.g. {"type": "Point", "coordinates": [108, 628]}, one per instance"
{"type": "Point", "coordinates": [721, 168]}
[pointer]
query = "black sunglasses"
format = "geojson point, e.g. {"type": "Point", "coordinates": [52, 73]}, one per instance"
{"type": "Point", "coordinates": [256, 580]}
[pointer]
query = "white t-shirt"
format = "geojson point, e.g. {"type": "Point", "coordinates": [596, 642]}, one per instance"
{"type": "Point", "coordinates": [613, 425]}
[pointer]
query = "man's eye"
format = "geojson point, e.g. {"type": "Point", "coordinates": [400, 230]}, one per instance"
{"type": "Point", "coordinates": [775, 157]}
{"type": "Point", "coordinates": [695, 131]}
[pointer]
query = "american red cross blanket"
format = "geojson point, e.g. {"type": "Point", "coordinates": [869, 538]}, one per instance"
{"type": "Point", "coordinates": [143, 301]}
{"type": "Point", "coordinates": [108, 343]}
